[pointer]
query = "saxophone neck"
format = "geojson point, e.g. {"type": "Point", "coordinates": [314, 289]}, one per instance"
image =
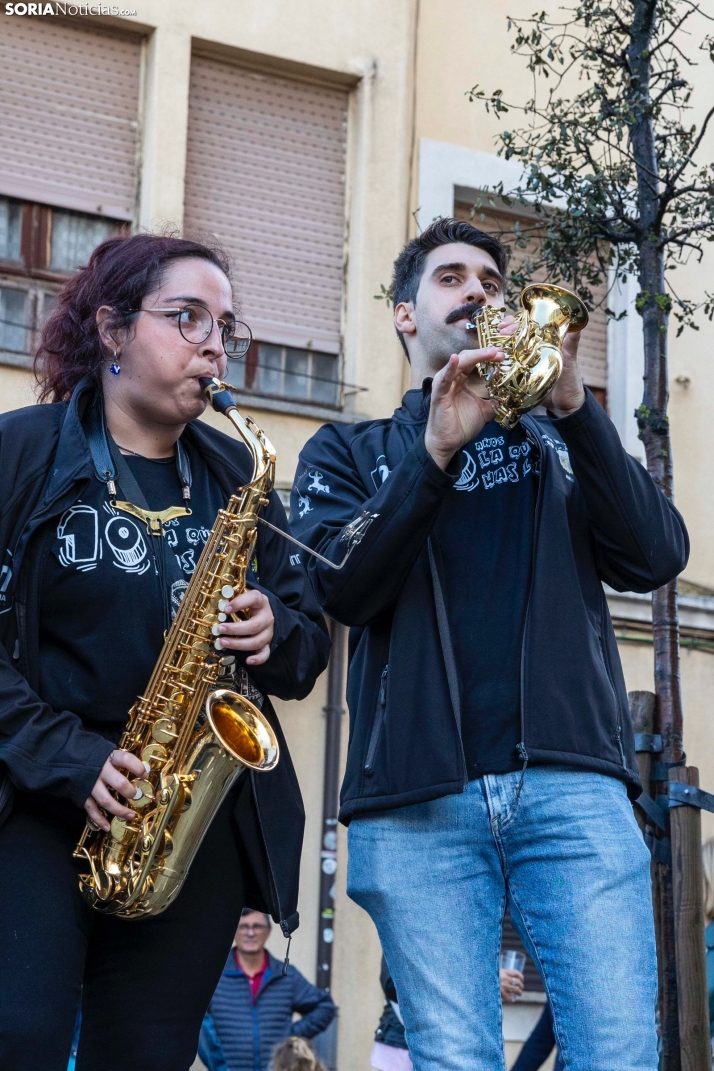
{"type": "Point", "coordinates": [260, 447]}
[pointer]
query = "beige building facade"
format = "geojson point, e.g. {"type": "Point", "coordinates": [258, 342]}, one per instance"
{"type": "Point", "coordinates": [311, 139]}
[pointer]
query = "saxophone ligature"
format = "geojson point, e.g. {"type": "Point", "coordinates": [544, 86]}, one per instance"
{"type": "Point", "coordinates": [194, 738]}
{"type": "Point", "coordinates": [533, 355]}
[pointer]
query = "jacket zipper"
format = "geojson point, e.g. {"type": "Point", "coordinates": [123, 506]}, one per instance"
{"type": "Point", "coordinates": [532, 438]}
{"type": "Point", "coordinates": [618, 727]}
{"type": "Point", "coordinates": [378, 720]}
{"type": "Point", "coordinates": [448, 655]}
{"type": "Point", "coordinates": [283, 923]}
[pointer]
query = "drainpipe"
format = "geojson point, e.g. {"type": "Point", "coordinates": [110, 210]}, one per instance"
{"type": "Point", "coordinates": [328, 853]}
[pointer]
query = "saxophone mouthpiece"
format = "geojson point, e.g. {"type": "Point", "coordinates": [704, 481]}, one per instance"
{"type": "Point", "coordinates": [217, 393]}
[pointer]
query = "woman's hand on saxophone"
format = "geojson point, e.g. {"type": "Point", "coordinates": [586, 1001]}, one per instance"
{"type": "Point", "coordinates": [111, 777]}
{"type": "Point", "coordinates": [255, 632]}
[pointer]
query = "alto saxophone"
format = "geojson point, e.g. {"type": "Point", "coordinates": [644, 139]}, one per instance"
{"type": "Point", "coordinates": [533, 355]}
{"type": "Point", "coordinates": [193, 739]}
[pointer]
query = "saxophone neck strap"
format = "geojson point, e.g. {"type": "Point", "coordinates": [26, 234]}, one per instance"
{"type": "Point", "coordinates": [111, 468]}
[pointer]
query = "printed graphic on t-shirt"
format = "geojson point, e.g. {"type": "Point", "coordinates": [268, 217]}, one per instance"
{"type": "Point", "coordinates": [489, 462]}
{"type": "Point", "coordinates": [83, 533]}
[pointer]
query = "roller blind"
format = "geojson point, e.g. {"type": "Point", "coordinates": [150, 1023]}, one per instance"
{"type": "Point", "coordinates": [265, 173]}
{"type": "Point", "coordinates": [70, 99]}
{"type": "Point", "coordinates": [592, 353]}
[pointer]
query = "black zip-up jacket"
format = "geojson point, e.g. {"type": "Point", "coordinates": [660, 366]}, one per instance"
{"type": "Point", "coordinates": [45, 465]}
{"type": "Point", "coordinates": [599, 517]}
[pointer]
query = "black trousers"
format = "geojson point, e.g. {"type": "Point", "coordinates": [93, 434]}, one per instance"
{"type": "Point", "coordinates": [144, 985]}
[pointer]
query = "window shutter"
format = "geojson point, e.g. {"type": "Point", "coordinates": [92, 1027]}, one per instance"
{"type": "Point", "coordinates": [592, 353]}
{"type": "Point", "coordinates": [70, 100]}
{"type": "Point", "coordinates": [265, 173]}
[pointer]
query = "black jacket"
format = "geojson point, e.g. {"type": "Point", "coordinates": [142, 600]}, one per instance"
{"type": "Point", "coordinates": [599, 517]}
{"type": "Point", "coordinates": [44, 466]}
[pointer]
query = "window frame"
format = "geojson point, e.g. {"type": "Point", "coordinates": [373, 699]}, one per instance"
{"type": "Point", "coordinates": [253, 367]}
{"type": "Point", "coordinates": [31, 272]}
{"type": "Point", "coordinates": [36, 241]}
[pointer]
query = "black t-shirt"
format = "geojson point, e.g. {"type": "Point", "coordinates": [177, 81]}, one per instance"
{"type": "Point", "coordinates": [109, 591]}
{"type": "Point", "coordinates": [485, 533]}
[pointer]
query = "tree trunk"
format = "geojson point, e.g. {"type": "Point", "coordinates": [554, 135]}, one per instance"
{"type": "Point", "coordinates": [653, 305]}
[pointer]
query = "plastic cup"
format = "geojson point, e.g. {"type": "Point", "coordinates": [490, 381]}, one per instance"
{"type": "Point", "coordinates": [512, 960]}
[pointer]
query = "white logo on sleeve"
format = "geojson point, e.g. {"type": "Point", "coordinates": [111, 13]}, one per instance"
{"type": "Point", "coordinates": [316, 483]}
{"type": "Point", "coordinates": [304, 504]}
{"type": "Point", "coordinates": [380, 472]}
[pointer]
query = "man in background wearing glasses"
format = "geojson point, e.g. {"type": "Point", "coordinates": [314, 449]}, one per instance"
{"type": "Point", "coordinates": [252, 1008]}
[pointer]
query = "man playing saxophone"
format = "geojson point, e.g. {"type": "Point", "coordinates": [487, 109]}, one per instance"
{"type": "Point", "coordinates": [491, 754]}
{"type": "Point", "coordinates": [95, 565]}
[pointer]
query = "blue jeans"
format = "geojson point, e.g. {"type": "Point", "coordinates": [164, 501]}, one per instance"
{"type": "Point", "coordinates": [569, 858]}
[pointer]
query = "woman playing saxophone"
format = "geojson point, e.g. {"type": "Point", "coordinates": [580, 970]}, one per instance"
{"type": "Point", "coordinates": [97, 555]}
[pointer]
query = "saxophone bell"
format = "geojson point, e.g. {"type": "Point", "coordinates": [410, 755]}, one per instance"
{"type": "Point", "coordinates": [242, 729]}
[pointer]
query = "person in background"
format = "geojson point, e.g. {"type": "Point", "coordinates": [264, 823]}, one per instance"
{"type": "Point", "coordinates": [295, 1054]}
{"type": "Point", "coordinates": [390, 1051]}
{"type": "Point", "coordinates": [253, 1005]}
{"type": "Point", "coordinates": [708, 867]}
{"type": "Point", "coordinates": [539, 1045]}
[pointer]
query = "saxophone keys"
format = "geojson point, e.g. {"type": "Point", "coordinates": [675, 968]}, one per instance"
{"type": "Point", "coordinates": [227, 591]}
{"type": "Point", "coordinates": [154, 753]}
{"type": "Point", "coordinates": [120, 829]}
{"type": "Point", "coordinates": [164, 730]}
{"type": "Point", "coordinates": [144, 793]}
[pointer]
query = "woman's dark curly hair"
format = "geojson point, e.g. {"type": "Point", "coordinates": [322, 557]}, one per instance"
{"type": "Point", "coordinates": [120, 273]}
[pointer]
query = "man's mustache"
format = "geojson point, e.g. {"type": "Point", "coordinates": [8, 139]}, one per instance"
{"type": "Point", "coordinates": [463, 311]}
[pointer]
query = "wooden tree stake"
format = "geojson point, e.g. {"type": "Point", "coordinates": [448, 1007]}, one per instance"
{"type": "Point", "coordinates": [688, 889]}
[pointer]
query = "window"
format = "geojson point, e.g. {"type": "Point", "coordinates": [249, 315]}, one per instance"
{"type": "Point", "coordinates": [275, 198]}
{"type": "Point", "coordinates": [74, 236]}
{"type": "Point", "coordinates": [14, 320]}
{"type": "Point", "coordinates": [69, 140]}
{"type": "Point", "coordinates": [286, 372]}
{"type": "Point", "coordinates": [10, 213]}
{"type": "Point", "coordinates": [39, 247]}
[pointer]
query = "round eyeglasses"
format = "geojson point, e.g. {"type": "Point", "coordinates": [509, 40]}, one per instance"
{"type": "Point", "coordinates": [195, 323]}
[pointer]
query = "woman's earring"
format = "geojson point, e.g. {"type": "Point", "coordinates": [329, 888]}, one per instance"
{"type": "Point", "coordinates": [114, 367]}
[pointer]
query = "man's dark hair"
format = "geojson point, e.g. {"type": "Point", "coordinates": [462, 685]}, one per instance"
{"type": "Point", "coordinates": [409, 265]}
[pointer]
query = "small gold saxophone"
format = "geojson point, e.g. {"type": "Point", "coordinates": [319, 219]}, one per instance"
{"type": "Point", "coordinates": [533, 355]}
{"type": "Point", "coordinates": [193, 738]}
